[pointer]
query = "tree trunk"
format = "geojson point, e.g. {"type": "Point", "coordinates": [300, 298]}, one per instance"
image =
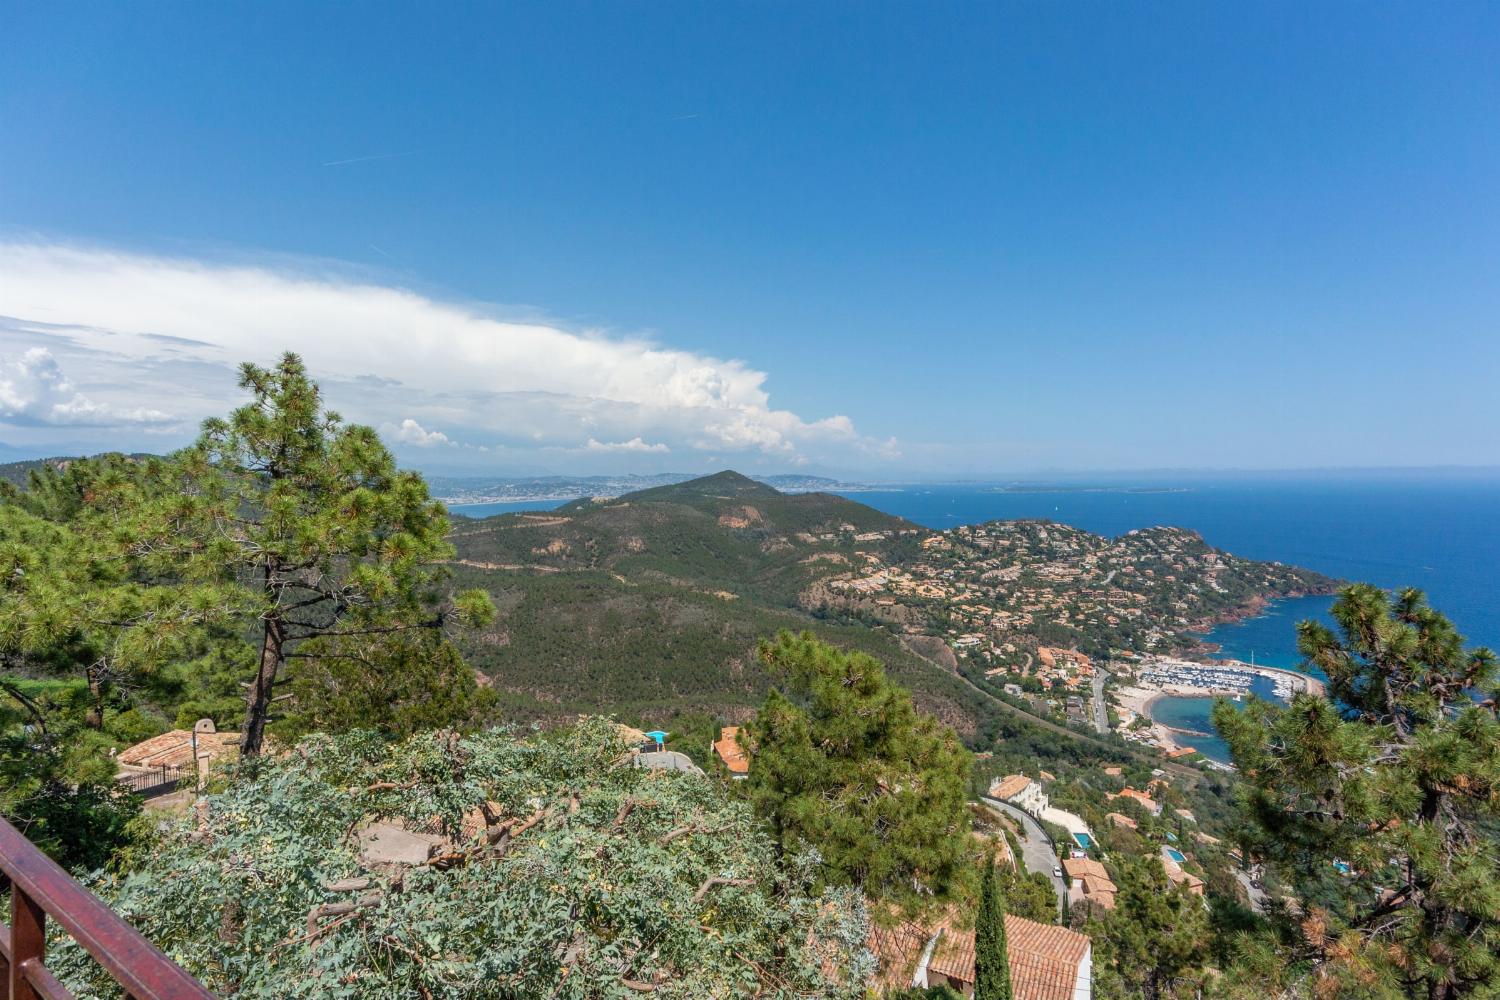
{"type": "Point", "coordinates": [258, 698]}
{"type": "Point", "coordinates": [94, 717]}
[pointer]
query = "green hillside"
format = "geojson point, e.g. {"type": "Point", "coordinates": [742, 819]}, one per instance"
{"type": "Point", "coordinates": [724, 534]}
{"type": "Point", "coordinates": [651, 603]}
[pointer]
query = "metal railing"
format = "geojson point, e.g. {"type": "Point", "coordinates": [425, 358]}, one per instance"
{"type": "Point", "coordinates": [157, 781]}
{"type": "Point", "coordinates": [40, 889]}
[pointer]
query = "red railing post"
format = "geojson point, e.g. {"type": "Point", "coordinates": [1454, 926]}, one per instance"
{"type": "Point", "coordinates": [28, 941]}
{"type": "Point", "coordinates": [39, 889]}
{"type": "Point", "coordinates": [4, 947]}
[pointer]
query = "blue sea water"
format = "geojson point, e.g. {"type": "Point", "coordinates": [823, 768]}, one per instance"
{"type": "Point", "coordinates": [1438, 533]}
{"type": "Point", "coordinates": [511, 507]}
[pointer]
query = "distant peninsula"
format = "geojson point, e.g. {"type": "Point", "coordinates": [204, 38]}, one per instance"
{"type": "Point", "coordinates": [491, 489]}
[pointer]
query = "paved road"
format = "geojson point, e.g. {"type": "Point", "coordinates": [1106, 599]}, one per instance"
{"type": "Point", "coordinates": [1257, 898]}
{"type": "Point", "coordinates": [1036, 848]}
{"type": "Point", "coordinates": [1101, 717]}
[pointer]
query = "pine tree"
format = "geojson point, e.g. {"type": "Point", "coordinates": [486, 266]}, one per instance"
{"type": "Point", "coordinates": [1378, 804]}
{"type": "Point", "coordinates": [844, 763]}
{"type": "Point", "coordinates": [991, 961]}
{"type": "Point", "coordinates": [312, 515]}
{"type": "Point", "coordinates": [1155, 935]}
{"type": "Point", "coordinates": [89, 626]}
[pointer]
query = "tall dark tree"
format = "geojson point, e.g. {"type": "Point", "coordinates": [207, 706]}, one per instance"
{"type": "Point", "coordinates": [991, 960]}
{"type": "Point", "coordinates": [1379, 805]}
{"type": "Point", "coordinates": [313, 516]}
{"type": "Point", "coordinates": [844, 763]}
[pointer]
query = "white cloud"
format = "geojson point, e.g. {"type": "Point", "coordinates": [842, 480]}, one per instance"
{"type": "Point", "coordinates": [634, 444]}
{"type": "Point", "coordinates": [34, 390]}
{"type": "Point", "coordinates": [168, 333]}
{"type": "Point", "coordinates": [411, 432]}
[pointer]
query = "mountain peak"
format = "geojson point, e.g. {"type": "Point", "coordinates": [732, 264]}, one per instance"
{"type": "Point", "coordinates": [727, 484]}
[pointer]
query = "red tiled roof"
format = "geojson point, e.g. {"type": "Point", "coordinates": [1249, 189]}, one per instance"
{"type": "Point", "coordinates": [727, 746]}
{"type": "Point", "coordinates": [897, 950]}
{"type": "Point", "coordinates": [1141, 797]}
{"type": "Point", "coordinates": [1177, 876]}
{"type": "Point", "coordinates": [1011, 784]}
{"type": "Point", "coordinates": [1043, 958]}
{"type": "Point", "coordinates": [1084, 868]}
{"type": "Point", "coordinates": [175, 749]}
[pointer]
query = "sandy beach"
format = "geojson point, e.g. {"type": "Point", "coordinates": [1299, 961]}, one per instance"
{"type": "Point", "coordinates": [1138, 700]}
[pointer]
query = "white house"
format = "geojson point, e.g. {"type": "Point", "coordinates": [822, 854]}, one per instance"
{"type": "Point", "coordinates": [1020, 791]}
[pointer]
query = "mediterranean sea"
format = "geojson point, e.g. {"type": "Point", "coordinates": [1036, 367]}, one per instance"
{"type": "Point", "coordinates": [1439, 533]}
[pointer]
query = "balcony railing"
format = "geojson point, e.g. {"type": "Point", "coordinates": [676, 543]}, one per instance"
{"type": "Point", "coordinates": [40, 889]}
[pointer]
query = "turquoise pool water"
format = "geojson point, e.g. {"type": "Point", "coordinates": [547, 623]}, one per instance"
{"type": "Point", "coordinates": [1176, 855]}
{"type": "Point", "coordinates": [1083, 840]}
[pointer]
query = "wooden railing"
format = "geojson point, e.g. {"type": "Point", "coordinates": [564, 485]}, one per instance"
{"type": "Point", "coordinates": [39, 889]}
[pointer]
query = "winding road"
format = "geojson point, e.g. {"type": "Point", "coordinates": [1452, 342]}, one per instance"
{"type": "Point", "coordinates": [1036, 847]}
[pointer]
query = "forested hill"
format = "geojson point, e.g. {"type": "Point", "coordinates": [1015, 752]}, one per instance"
{"type": "Point", "coordinates": [651, 604]}
{"type": "Point", "coordinates": [725, 533]}
{"type": "Point", "coordinates": [19, 473]}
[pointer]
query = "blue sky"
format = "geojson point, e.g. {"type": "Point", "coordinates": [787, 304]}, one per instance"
{"type": "Point", "coordinates": [873, 239]}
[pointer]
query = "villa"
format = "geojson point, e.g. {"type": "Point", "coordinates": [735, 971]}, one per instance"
{"type": "Point", "coordinates": [1091, 883]}
{"type": "Point", "coordinates": [1020, 791]}
{"type": "Point", "coordinates": [1151, 805]}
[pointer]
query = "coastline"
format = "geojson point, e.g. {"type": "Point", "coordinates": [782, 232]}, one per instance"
{"type": "Point", "coordinates": [1255, 607]}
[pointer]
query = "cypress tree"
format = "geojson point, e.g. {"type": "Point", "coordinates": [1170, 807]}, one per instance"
{"type": "Point", "coordinates": [991, 963]}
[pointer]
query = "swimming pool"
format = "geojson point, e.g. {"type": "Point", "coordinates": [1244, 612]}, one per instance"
{"type": "Point", "coordinates": [1176, 855]}
{"type": "Point", "coordinates": [1084, 841]}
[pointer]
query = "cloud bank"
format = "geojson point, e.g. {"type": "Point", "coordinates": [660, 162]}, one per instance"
{"type": "Point", "coordinates": [154, 341]}
{"type": "Point", "coordinates": [34, 390]}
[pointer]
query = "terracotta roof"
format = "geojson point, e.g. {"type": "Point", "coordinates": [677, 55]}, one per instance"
{"type": "Point", "coordinates": [1141, 797]}
{"type": "Point", "coordinates": [1011, 784]}
{"type": "Point", "coordinates": [1043, 958]}
{"type": "Point", "coordinates": [727, 746]}
{"type": "Point", "coordinates": [1177, 876]}
{"type": "Point", "coordinates": [1114, 772]}
{"type": "Point", "coordinates": [1084, 868]}
{"type": "Point", "coordinates": [175, 749]}
{"type": "Point", "coordinates": [1092, 881]}
{"type": "Point", "coordinates": [1120, 819]}
{"type": "Point", "coordinates": [897, 949]}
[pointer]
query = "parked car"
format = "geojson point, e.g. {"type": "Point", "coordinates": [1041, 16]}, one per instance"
{"type": "Point", "coordinates": [1057, 871]}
